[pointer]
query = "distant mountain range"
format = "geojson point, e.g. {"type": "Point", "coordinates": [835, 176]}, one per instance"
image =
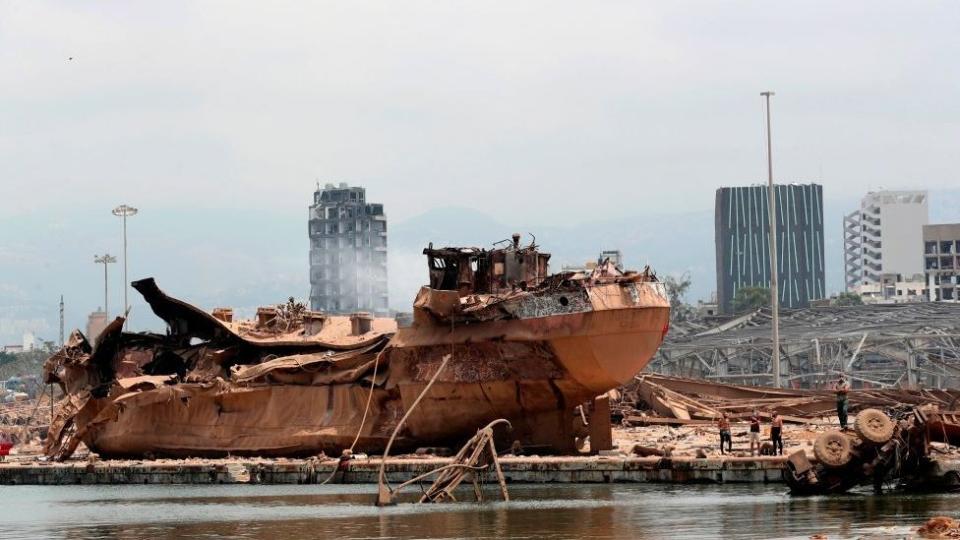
{"type": "Point", "coordinates": [222, 257]}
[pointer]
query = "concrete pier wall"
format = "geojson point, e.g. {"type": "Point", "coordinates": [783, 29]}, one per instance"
{"type": "Point", "coordinates": [364, 471]}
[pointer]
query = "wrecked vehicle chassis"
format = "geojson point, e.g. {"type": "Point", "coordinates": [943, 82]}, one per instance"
{"type": "Point", "coordinates": [879, 451]}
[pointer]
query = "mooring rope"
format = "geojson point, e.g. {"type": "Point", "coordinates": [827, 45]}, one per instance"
{"type": "Point", "coordinates": [363, 420]}
{"type": "Point", "coordinates": [381, 479]}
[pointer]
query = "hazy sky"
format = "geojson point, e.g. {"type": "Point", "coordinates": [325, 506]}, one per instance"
{"type": "Point", "coordinates": [552, 109]}
{"type": "Point", "coordinates": [216, 118]}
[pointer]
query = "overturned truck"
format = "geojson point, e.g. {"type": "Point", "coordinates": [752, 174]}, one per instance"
{"type": "Point", "coordinates": [879, 451]}
{"type": "Point", "coordinates": [523, 345]}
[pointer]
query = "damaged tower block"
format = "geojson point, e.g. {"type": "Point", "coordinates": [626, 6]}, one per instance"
{"type": "Point", "coordinates": [223, 314]}
{"type": "Point", "coordinates": [525, 345]}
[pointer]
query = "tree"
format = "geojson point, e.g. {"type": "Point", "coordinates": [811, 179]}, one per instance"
{"type": "Point", "coordinates": [677, 288]}
{"type": "Point", "coordinates": [750, 299]}
{"type": "Point", "coordinates": [849, 299]}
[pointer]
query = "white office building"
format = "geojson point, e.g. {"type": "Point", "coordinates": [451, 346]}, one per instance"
{"type": "Point", "coordinates": [884, 237]}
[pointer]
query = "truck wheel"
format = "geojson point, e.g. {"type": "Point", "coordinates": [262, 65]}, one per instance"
{"type": "Point", "coordinates": [872, 425]}
{"type": "Point", "coordinates": [832, 449]}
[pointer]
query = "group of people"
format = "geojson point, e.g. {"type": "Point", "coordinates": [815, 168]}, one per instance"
{"type": "Point", "coordinates": [776, 433]}
{"type": "Point", "coordinates": [776, 424]}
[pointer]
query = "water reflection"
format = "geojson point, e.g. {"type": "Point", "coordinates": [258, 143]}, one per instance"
{"type": "Point", "coordinates": [561, 511]}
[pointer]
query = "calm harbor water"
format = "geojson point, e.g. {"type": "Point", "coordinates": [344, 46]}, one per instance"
{"type": "Point", "coordinates": [557, 511]}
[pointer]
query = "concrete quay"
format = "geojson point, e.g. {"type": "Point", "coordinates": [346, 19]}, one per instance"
{"type": "Point", "coordinates": [578, 469]}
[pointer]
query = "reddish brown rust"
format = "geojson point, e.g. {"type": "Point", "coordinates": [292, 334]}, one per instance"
{"type": "Point", "coordinates": [526, 346]}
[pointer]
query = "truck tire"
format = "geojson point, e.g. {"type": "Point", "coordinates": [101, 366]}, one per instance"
{"type": "Point", "coordinates": [872, 425]}
{"type": "Point", "coordinates": [832, 449]}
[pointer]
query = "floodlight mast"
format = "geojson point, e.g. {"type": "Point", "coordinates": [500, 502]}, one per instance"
{"type": "Point", "coordinates": [105, 259]}
{"type": "Point", "coordinates": [124, 211]}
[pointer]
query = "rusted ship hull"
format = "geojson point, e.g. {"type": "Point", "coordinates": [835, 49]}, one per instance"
{"type": "Point", "coordinates": [294, 383]}
{"type": "Point", "coordinates": [547, 366]}
{"type": "Point", "coordinates": [533, 382]}
{"type": "Point", "coordinates": [276, 420]}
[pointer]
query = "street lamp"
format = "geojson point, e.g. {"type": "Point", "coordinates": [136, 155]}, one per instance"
{"type": "Point", "coordinates": [105, 259]}
{"type": "Point", "coordinates": [123, 211]}
{"type": "Point", "coordinates": [774, 294]}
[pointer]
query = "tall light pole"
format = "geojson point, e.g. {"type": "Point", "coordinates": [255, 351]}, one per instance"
{"type": "Point", "coordinates": [774, 292]}
{"type": "Point", "coordinates": [123, 211]}
{"type": "Point", "coordinates": [105, 259]}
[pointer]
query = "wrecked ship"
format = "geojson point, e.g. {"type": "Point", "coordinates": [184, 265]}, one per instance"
{"type": "Point", "coordinates": [523, 345]}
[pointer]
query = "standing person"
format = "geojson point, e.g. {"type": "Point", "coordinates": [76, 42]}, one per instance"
{"type": "Point", "coordinates": [6, 443]}
{"type": "Point", "coordinates": [754, 432]}
{"type": "Point", "coordinates": [776, 433]}
{"type": "Point", "coordinates": [724, 424]}
{"type": "Point", "coordinates": [841, 387]}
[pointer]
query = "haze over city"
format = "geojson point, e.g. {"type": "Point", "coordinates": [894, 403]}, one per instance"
{"type": "Point", "coordinates": [525, 269]}
{"type": "Point", "coordinates": [591, 126]}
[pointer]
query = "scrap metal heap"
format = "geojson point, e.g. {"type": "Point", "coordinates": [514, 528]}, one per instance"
{"type": "Point", "coordinates": [879, 450]}
{"type": "Point", "coordinates": [523, 345]}
{"type": "Point", "coordinates": [118, 391]}
{"type": "Point", "coordinates": [650, 398]}
{"type": "Point", "coordinates": [894, 436]}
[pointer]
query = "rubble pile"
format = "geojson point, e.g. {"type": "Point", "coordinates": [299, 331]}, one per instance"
{"type": "Point", "coordinates": [899, 436]}
{"type": "Point", "coordinates": [940, 527]}
{"type": "Point", "coordinates": [693, 440]}
{"type": "Point", "coordinates": [651, 398]}
{"type": "Point", "coordinates": [26, 422]}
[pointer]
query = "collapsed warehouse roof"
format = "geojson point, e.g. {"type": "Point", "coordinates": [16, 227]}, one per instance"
{"type": "Point", "coordinates": [883, 345]}
{"type": "Point", "coordinates": [825, 322]}
{"type": "Point", "coordinates": [665, 398]}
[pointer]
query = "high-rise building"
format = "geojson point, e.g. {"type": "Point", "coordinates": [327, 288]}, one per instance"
{"type": "Point", "coordinates": [941, 261]}
{"type": "Point", "coordinates": [348, 252]}
{"type": "Point", "coordinates": [884, 236]}
{"type": "Point", "coordinates": [29, 342]}
{"type": "Point", "coordinates": [742, 227]}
